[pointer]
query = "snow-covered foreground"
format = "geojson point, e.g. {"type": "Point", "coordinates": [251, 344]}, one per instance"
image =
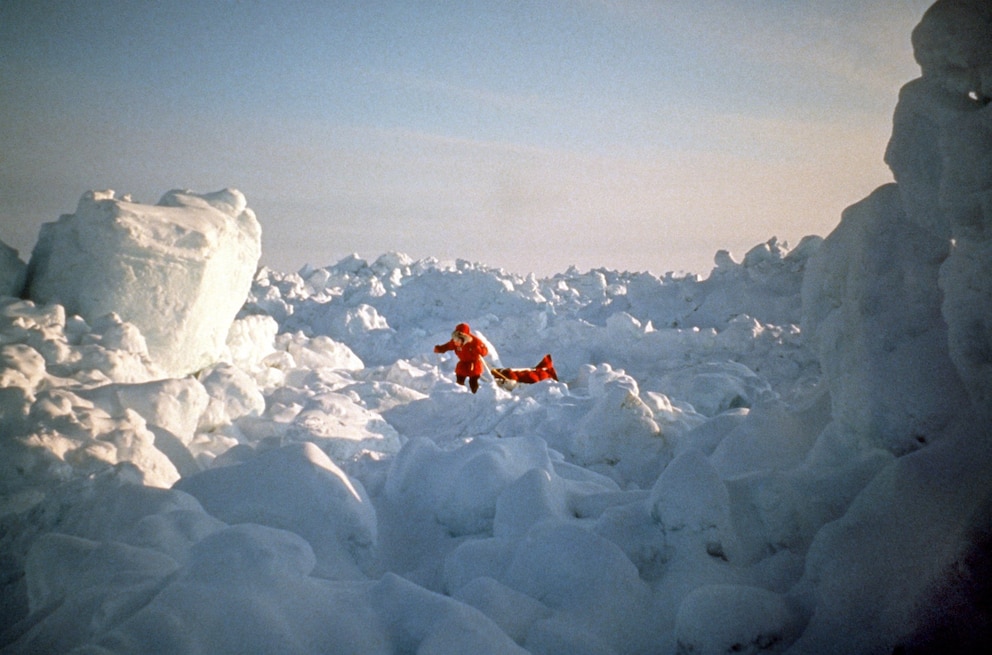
{"type": "Point", "coordinates": [791, 455]}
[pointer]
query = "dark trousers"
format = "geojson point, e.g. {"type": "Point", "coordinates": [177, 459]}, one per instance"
{"type": "Point", "coordinates": [473, 382]}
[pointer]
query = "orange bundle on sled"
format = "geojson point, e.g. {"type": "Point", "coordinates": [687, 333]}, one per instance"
{"type": "Point", "coordinates": [544, 370]}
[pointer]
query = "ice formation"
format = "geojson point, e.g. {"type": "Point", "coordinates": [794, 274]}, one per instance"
{"type": "Point", "coordinates": [899, 300]}
{"type": "Point", "coordinates": [942, 162]}
{"type": "Point", "coordinates": [12, 271]}
{"type": "Point", "coordinates": [179, 270]}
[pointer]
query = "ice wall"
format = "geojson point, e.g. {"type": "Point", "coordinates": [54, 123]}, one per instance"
{"type": "Point", "coordinates": [901, 291]}
{"type": "Point", "coordinates": [941, 156]}
{"type": "Point", "coordinates": [12, 271]}
{"type": "Point", "coordinates": [898, 303]}
{"type": "Point", "coordinates": [178, 270]}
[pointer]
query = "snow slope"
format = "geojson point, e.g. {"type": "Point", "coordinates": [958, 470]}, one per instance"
{"type": "Point", "coordinates": [789, 456]}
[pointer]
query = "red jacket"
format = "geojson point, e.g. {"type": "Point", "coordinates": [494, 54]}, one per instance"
{"type": "Point", "coordinates": [469, 354]}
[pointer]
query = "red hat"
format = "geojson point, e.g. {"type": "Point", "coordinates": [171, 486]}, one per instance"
{"type": "Point", "coordinates": [463, 328]}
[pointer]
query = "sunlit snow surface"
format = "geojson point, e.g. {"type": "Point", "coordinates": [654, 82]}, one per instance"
{"type": "Point", "coordinates": [331, 460]}
{"type": "Point", "coordinates": [790, 455]}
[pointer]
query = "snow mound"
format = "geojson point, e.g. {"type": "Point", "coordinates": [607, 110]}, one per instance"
{"type": "Point", "coordinates": [324, 506]}
{"type": "Point", "coordinates": [721, 619]}
{"type": "Point", "coordinates": [873, 310]}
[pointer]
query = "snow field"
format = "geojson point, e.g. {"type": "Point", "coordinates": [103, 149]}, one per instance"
{"type": "Point", "coordinates": [291, 468]}
{"type": "Point", "coordinates": [789, 456]}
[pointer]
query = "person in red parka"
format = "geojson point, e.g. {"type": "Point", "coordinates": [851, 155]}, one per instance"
{"type": "Point", "coordinates": [470, 351]}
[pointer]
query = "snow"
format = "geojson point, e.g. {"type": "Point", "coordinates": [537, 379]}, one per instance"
{"type": "Point", "coordinates": [791, 455]}
{"type": "Point", "coordinates": [874, 313]}
{"type": "Point", "coordinates": [12, 271]}
{"type": "Point", "coordinates": [177, 270]}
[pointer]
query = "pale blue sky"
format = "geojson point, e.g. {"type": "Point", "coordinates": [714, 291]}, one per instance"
{"type": "Point", "coordinates": [633, 135]}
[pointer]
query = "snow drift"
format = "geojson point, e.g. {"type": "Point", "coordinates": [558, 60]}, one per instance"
{"type": "Point", "coordinates": [789, 456]}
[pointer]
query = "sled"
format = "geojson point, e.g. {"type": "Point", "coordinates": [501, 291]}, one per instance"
{"type": "Point", "coordinates": [507, 378]}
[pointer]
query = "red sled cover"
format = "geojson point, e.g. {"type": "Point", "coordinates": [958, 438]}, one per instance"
{"type": "Point", "coordinates": [544, 370]}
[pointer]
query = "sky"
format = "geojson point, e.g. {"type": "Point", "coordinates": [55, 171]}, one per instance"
{"type": "Point", "coordinates": [532, 136]}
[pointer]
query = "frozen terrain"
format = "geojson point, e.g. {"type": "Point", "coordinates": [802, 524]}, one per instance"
{"type": "Point", "coordinates": [792, 455]}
